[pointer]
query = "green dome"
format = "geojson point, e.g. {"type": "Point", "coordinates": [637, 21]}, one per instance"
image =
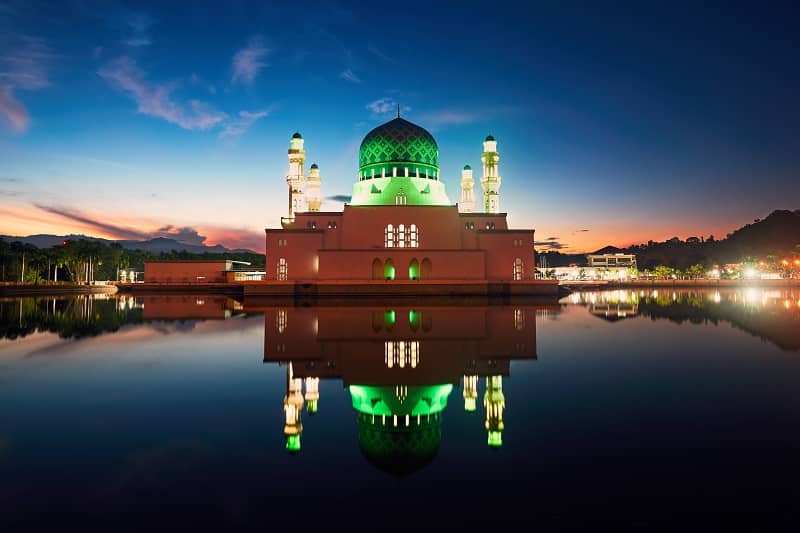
{"type": "Point", "coordinates": [490, 138]}
{"type": "Point", "coordinates": [467, 167]}
{"type": "Point", "coordinates": [398, 144]}
{"type": "Point", "coordinates": [297, 135]}
{"type": "Point", "coordinates": [399, 450]}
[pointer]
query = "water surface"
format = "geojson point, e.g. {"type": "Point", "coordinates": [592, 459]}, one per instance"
{"type": "Point", "coordinates": [636, 408]}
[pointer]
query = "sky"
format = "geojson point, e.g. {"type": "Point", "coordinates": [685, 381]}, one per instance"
{"type": "Point", "coordinates": [616, 124]}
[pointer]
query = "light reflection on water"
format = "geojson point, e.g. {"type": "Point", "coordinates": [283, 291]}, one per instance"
{"type": "Point", "coordinates": [604, 404]}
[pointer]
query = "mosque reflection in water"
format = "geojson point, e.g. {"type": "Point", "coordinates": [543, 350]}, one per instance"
{"type": "Point", "coordinates": [400, 366]}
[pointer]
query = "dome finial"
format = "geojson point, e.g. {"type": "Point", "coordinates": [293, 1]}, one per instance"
{"type": "Point", "coordinates": [398, 110]}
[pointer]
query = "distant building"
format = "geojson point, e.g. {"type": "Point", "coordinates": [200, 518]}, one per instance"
{"type": "Point", "coordinates": [600, 267]}
{"type": "Point", "coordinates": [611, 260]}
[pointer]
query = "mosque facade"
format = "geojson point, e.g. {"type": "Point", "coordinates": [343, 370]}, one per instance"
{"type": "Point", "coordinates": [399, 225]}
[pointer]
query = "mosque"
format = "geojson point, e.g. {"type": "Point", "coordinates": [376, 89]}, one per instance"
{"type": "Point", "coordinates": [399, 227]}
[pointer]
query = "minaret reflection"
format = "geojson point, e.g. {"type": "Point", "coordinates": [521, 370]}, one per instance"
{"type": "Point", "coordinates": [494, 402]}
{"type": "Point", "coordinates": [292, 408]}
{"type": "Point", "coordinates": [399, 396]}
{"type": "Point", "coordinates": [470, 393]}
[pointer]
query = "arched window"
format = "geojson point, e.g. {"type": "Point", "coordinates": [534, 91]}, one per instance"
{"type": "Point", "coordinates": [401, 236]}
{"type": "Point", "coordinates": [283, 269]}
{"type": "Point", "coordinates": [388, 236]}
{"type": "Point", "coordinates": [426, 269]}
{"type": "Point", "coordinates": [413, 269]}
{"type": "Point", "coordinates": [388, 270]}
{"type": "Point", "coordinates": [377, 269]}
{"type": "Point", "coordinates": [413, 320]}
{"type": "Point", "coordinates": [518, 269]}
{"type": "Point", "coordinates": [414, 236]}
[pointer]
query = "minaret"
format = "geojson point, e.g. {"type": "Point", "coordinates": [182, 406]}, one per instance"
{"type": "Point", "coordinates": [292, 408]}
{"type": "Point", "coordinates": [313, 198]}
{"type": "Point", "coordinates": [295, 179]}
{"type": "Point", "coordinates": [312, 395]}
{"type": "Point", "coordinates": [494, 402]}
{"type": "Point", "coordinates": [470, 392]}
{"type": "Point", "coordinates": [467, 202]}
{"type": "Point", "coordinates": [490, 182]}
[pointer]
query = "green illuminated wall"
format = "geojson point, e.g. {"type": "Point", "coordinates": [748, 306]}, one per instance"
{"type": "Point", "coordinates": [382, 401]}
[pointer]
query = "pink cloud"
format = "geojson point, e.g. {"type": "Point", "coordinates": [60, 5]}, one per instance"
{"type": "Point", "coordinates": [249, 61]}
{"type": "Point", "coordinates": [12, 111]}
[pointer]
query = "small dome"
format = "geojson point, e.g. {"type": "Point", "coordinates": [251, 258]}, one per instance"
{"type": "Point", "coordinates": [297, 135]}
{"type": "Point", "coordinates": [467, 167]}
{"type": "Point", "coordinates": [314, 166]}
{"type": "Point", "coordinates": [490, 138]}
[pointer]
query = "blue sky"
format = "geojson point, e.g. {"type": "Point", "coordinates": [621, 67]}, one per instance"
{"type": "Point", "coordinates": [632, 122]}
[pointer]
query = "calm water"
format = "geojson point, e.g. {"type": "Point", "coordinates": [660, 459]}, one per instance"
{"type": "Point", "coordinates": [632, 408]}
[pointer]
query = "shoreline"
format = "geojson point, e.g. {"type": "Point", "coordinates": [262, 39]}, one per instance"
{"type": "Point", "coordinates": [43, 289]}
{"type": "Point", "coordinates": [684, 284]}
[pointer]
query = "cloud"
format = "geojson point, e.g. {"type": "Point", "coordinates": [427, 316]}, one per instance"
{"type": "Point", "coordinates": [378, 53]}
{"type": "Point", "coordinates": [249, 61]}
{"type": "Point", "coordinates": [138, 30]}
{"type": "Point", "coordinates": [228, 237]}
{"type": "Point", "coordinates": [350, 76]}
{"type": "Point", "coordinates": [339, 198]}
{"type": "Point", "coordinates": [383, 107]}
{"type": "Point", "coordinates": [155, 99]}
{"type": "Point", "coordinates": [186, 234]}
{"type": "Point", "coordinates": [115, 231]}
{"type": "Point", "coordinates": [552, 238]}
{"type": "Point", "coordinates": [23, 66]}
{"type": "Point", "coordinates": [240, 125]}
{"type": "Point", "coordinates": [448, 118]}
{"type": "Point", "coordinates": [580, 231]}
{"type": "Point", "coordinates": [550, 244]}
{"type": "Point", "coordinates": [13, 113]}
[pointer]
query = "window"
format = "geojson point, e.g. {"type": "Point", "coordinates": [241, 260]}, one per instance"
{"type": "Point", "coordinates": [331, 225]}
{"type": "Point", "coordinates": [490, 225]}
{"type": "Point", "coordinates": [280, 320]}
{"type": "Point", "coordinates": [414, 234]}
{"type": "Point", "coordinates": [469, 225]}
{"type": "Point", "coordinates": [519, 319]}
{"type": "Point", "coordinates": [400, 198]}
{"type": "Point", "coordinates": [281, 242]}
{"type": "Point", "coordinates": [283, 273]}
{"type": "Point", "coordinates": [312, 225]}
{"type": "Point", "coordinates": [518, 269]}
{"type": "Point", "coordinates": [401, 236]}
{"type": "Point", "coordinates": [388, 236]}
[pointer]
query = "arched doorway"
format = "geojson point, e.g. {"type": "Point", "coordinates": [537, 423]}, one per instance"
{"type": "Point", "coordinates": [413, 269]}
{"type": "Point", "coordinates": [377, 269]}
{"type": "Point", "coordinates": [388, 270]}
{"type": "Point", "coordinates": [426, 269]}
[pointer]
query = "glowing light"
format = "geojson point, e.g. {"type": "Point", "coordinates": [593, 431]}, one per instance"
{"type": "Point", "coordinates": [717, 297]}
{"type": "Point", "coordinates": [293, 443]}
{"type": "Point", "coordinates": [787, 304]}
{"type": "Point", "coordinates": [752, 296]}
{"type": "Point", "coordinates": [495, 438]}
{"type": "Point", "coordinates": [750, 272]}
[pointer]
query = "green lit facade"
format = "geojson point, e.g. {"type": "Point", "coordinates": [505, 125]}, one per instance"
{"type": "Point", "coordinates": [399, 165]}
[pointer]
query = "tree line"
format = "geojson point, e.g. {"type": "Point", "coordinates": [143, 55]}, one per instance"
{"type": "Point", "coordinates": [83, 261]}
